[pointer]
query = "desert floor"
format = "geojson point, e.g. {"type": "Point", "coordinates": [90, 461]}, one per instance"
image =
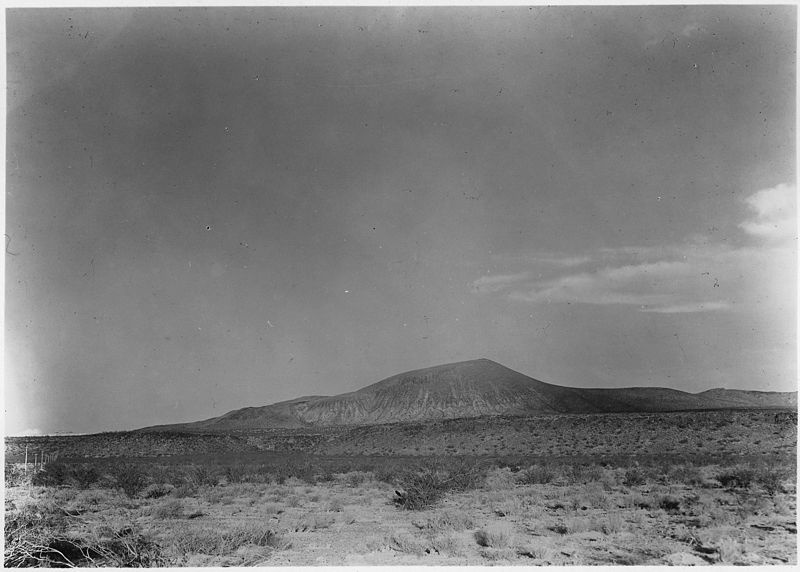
{"type": "Point", "coordinates": [589, 514]}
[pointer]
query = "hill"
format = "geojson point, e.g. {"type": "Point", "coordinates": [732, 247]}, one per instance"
{"type": "Point", "coordinates": [745, 398]}
{"type": "Point", "coordinates": [472, 389]}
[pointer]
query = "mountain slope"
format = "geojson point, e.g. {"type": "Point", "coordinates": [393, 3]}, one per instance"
{"type": "Point", "coordinates": [745, 398]}
{"type": "Point", "coordinates": [472, 389]}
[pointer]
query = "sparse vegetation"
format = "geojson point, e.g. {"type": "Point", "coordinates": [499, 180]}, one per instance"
{"type": "Point", "coordinates": [771, 480]}
{"type": "Point", "coordinates": [499, 535]}
{"type": "Point", "coordinates": [537, 475]}
{"type": "Point", "coordinates": [207, 540]}
{"type": "Point", "coordinates": [738, 477]}
{"type": "Point", "coordinates": [37, 536]}
{"type": "Point", "coordinates": [421, 490]}
{"type": "Point", "coordinates": [271, 509]}
{"type": "Point", "coordinates": [634, 476]}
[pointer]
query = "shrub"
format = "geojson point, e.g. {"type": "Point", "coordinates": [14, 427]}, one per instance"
{"type": "Point", "coordinates": [15, 475]}
{"type": "Point", "coordinates": [613, 524]}
{"type": "Point", "coordinates": [312, 522]}
{"type": "Point", "coordinates": [449, 520]}
{"type": "Point", "coordinates": [500, 480]}
{"type": "Point", "coordinates": [356, 478]}
{"type": "Point", "coordinates": [634, 476]}
{"type": "Point", "coordinates": [194, 540]}
{"type": "Point", "coordinates": [185, 490]}
{"type": "Point", "coordinates": [84, 476]}
{"type": "Point", "coordinates": [43, 515]}
{"type": "Point", "coordinates": [305, 473]}
{"type": "Point", "coordinates": [498, 554]}
{"type": "Point", "coordinates": [771, 480]}
{"type": "Point", "coordinates": [173, 508]}
{"type": "Point", "coordinates": [686, 474]}
{"type": "Point", "coordinates": [545, 553]}
{"type": "Point", "coordinates": [739, 477]}
{"type": "Point", "coordinates": [669, 504]}
{"type": "Point", "coordinates": [53, 475]}
{"type": "Point", "coordinates": [32, 538]}
{"type": "Point", "coordinates": [498, 535]}
{"type": "Point", "coordinates": [536, 475]}
{"type": "Point", "coordinates": [335, 505]}
{"type": "Point", "coordinates": [235, 474]}
{"type": "Point", "coordinates": [201, 475]}
{"type": "Point", "coordinates": [464, 475]}
{"type": "Point", "coordinates": [386, 476]}
{"type": "Point", "coordinates": [59, 474]}
{"type": "Point", "coordinates": [93, 498]}
{"type": "Point", "coordinates": [448, 544]}
{"type": "Point", "coordinates": [130, 479]}
{"type": "Point", "coordinates": [421, 490]}
{"type": "Point", "coordinates": [406, 543]}
{"type": "Point", "coordinates": [729, 550]}
{"type": "Point", "coordinates": [582, 474]}
{"type": "Point", "coordinates": [157, 490]}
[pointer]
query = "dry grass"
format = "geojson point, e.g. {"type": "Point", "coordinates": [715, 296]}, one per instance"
{"type": "Point", "coordinates": [172, 508]}
{"type": "Point", "coordinates": [210, 540]}
{"type": "Point", "coordinates": [574, 518]}
{"type": "Point", "coordinates": [449, 520]}
{"type": "Point", "coordinates": [408, 544]}
{"type": "Point", "coordinates": [730, 550]}
{"type": "Point", "coordinates": [497, 535]}
{"type": "Point", "coordinates": [448, 544]}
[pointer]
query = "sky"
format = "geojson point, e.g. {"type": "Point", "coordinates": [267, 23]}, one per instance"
{"type": "Point", "coordinates": [208, 209]}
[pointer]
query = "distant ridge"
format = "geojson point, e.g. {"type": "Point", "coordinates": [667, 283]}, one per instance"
{"type": "Point", "coordinates": [472, 389]}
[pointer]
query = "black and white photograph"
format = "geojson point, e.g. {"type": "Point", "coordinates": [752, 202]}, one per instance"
{"type": "Point", "coordinates": [400, 285]}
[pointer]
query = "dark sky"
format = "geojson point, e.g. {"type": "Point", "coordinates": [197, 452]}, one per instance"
{"type": "Point", "coordinates": [216, 208]}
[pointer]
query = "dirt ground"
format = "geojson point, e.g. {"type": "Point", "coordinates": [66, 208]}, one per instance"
{"type": "Point", "coordinates": [353, 520]}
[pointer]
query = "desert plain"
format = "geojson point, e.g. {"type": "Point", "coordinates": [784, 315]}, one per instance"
{"type": "Point", "coordinates": [675, 488]}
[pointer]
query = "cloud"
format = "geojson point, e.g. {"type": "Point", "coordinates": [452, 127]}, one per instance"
{"type": "Point", "coordinates": [775, 213]}
{"type": "Point", "coordinates": [549, 258]}
{"type": "Point", "coordinates": [647, 285]}
{"type": "Point", "coordinates": [565, 260]}
{"type": "Point", "coordinates": [498, 282]}
{"type": "Point", "coordinates": [689, 308]}
{"type": "Point", "coordinates": [696, 275]}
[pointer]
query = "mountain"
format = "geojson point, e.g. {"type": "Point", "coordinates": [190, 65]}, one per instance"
{"type": "Point", "coordinates": [472, 389]}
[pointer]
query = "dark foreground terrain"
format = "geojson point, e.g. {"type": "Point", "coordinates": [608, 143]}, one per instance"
{"type": "Point", "coordinates": [714, 487]}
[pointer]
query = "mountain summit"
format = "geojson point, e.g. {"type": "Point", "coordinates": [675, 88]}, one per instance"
{"type": "Point", "coordinates": [472, 389]}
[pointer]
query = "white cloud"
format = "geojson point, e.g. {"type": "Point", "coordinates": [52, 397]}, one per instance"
{"type": "Point", "coordinates": [549, 258]}
{"type": "Point", "coordinates": [689, 308]}
{"type": "Point", "coordinates": [697, 275]}
{"type": "Point", "coordinates": [647, 285]}
{"type": "Point", "coordinates": [775, 213]}
{"type": "Point", "coordinates": [497, 282]}
{"type": "Point", "coordinates": [565, 260]}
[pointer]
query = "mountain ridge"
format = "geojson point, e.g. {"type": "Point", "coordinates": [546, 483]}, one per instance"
{"type": "Point", "coordinates": [472, 388]}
